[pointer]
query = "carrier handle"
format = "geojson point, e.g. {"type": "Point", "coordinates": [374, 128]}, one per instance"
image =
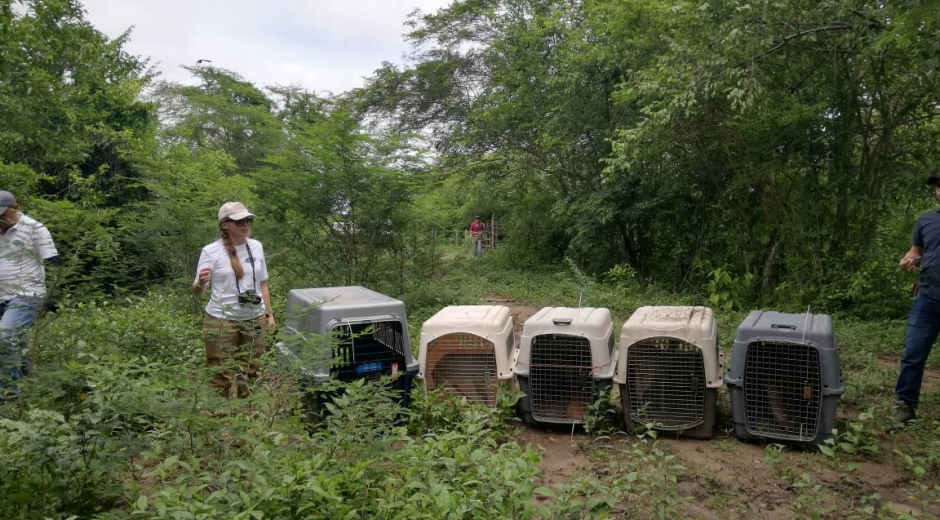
{"type": "Point", "coordinates": [562, 321]}
{"type": "Point", "coordinates": [788, 327]}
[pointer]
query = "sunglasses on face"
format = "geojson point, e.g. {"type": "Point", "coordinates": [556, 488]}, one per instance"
{"type": "Point", "coordinates": [241, 223]}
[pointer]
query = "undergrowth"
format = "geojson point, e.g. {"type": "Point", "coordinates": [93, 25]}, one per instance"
{"type": "Point", "coordinates": [117, 421]}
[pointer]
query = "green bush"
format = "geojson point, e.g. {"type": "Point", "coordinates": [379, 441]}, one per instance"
{"type": "Point", "coordinates": [358, 463]}
{"type": "Point", "coordinates": [53, 467]}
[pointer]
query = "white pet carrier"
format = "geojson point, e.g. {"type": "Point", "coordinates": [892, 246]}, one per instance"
{"type": "Point", "coordinates": [566, 356]}
{"type": "Point", "coordinates": [669, 369]}
{"type": "Point", "coordinates": [466, 349]}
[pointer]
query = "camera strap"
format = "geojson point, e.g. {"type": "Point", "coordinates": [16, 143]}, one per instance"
{"type": "Point", "coordinates": [254, 279]}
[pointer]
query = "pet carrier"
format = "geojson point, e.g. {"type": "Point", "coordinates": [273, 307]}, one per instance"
{"type": "Point", "coordinates": [785, 378]}
{"type": "Point", "coordinates": [566, 357]}
{"type": "Point", "coordinates": [349, 333]}
{"type": "Point", "coordinates": [669, 369]}
{"type": "Point", "coordinates": [466, 349]}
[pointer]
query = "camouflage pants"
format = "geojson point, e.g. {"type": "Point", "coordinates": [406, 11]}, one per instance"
{"type": "Point", "coordinates": [234, 349]}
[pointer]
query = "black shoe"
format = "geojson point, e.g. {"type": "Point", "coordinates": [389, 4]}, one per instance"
{"type": "Point", "coordinates": [905, 414]}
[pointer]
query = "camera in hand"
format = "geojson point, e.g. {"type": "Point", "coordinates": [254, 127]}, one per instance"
{"type": "Point", "coordinates": [249, 297]}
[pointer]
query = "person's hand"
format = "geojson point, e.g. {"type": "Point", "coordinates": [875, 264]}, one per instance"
{"type": "Point", "coordinates": [271, 323]}
{"type": "Point", "coordinates": [204, 275]}
{"type": "Point", "coordinates": [909, 263]}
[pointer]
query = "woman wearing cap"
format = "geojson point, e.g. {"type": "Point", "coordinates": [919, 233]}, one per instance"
{"type": "Point", "coordinates": [239, 309]}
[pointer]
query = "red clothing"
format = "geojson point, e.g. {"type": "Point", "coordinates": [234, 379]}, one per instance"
{"type": "Point", "coordinates": [477, 227]}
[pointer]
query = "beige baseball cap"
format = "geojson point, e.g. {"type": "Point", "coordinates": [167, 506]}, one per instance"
{"type": "Point", "coordinates": [234, 211]}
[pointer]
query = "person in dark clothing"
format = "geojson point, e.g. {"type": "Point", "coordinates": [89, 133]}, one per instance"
{"type": "Point", "coordinates": [923, 322]}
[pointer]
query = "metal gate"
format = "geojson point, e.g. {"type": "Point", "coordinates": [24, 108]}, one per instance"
{"type": "Point", "coordinates": [464, 363]}
{"type": "Point", "coordinates": [666, 383]}
{"type": "Point", "coordinates": [782, 389]}
{"type": "Point", "coordinates": [561, 379]}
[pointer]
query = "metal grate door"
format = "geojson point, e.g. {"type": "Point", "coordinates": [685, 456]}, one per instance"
{"type": "Point", "coordinates": [666, 382]}
{"type": "Point", "coordinates": [561, 379]}
{"type": "Point", "coordinates": [368, 350]}
{"type": "Point", "coordinates": [782, 390]}
{"type": "Point", "coordinates": [464, 363]}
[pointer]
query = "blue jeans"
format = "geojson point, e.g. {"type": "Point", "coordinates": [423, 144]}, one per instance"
{"type": "Point", "coordinates": [478, 247]}
{"type": "Point", "coordinates": [923, 326]}
{"type": "Point", "coordinates": [18, 316]}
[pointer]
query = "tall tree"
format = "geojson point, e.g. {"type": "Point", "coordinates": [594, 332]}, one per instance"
{"type": "Point", "coordinates": [72, 129]}
{"type": "Point", "coordinates": [801, 123]}
{"type": "Point", "coordinates": [338, 193]}
{"type": "Point", "coordinates": [516, 89]}
{"type": "Point", "coordinates": [761, 138]}
{"type": "Point", "coordinates": [70, 103]}
{"type": "Point", "coordinates": [223, 112]}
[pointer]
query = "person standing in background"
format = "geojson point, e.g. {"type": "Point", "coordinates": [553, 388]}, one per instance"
{"type": "Point", "coordinates": [24, 245]}
{"type": "Point", "coordinates": [923, 321]}
{"type": "Point", "coordinates": [477, 229]}
{"type": "Point", "coordinates": [238, 314]}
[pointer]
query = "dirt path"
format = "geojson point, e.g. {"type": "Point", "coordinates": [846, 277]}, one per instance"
{"type": "Point", "coordinates": [729, 479]}
{"type": "Point", "coordinates": [562, 459]}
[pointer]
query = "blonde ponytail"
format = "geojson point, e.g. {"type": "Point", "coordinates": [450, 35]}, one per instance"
{"type": "Point", "coordinates": [232, 254]}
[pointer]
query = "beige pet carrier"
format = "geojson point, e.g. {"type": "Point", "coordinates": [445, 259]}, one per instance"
{"type": "Point", "coordinates": [466, 349]}
{"type": "Point", "coordinates": [566, 356]}
{"type": "Point", "coordinates": [669, 369]}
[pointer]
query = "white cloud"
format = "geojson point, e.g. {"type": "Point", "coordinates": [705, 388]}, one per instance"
{"type": "Point", "coordinates": [322, 45]}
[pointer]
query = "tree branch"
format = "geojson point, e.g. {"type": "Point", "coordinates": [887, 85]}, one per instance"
{"type": "Point", "coordinates": [834, 26]}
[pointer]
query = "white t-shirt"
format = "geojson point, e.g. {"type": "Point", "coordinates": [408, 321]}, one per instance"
{"type": "Point", "coordinates": [22, 249]}
{"type": "Point", "coordinates": [223, 300]}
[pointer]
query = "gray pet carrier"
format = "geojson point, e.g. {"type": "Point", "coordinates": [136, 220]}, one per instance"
{"type": "Point", "coordinates": [785, 378]}
{"type": "Point", "coordinates": [368, 335]}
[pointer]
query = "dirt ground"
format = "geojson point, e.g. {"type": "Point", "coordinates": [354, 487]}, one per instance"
{"type": "Point", "coordinates": [726, 478]}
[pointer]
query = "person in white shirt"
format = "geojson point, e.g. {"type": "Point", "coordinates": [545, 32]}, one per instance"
{"type": "Point", "coordinates": [24, 245]}
{"type": "Point", "coordinates": [238, 314]}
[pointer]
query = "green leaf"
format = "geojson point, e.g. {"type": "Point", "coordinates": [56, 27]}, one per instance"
{"type": "Point", "coordinates": [544, 491]}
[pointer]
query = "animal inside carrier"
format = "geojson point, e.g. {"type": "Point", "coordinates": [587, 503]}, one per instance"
{"type": "Point", "coordinates": [785, 377]}
{"type": "Point", "coordinates": [669, 369]}
{"type": "Point", "coordinates": [349, 333]}
{"type": "Point", "coordinates": [566, 357]}
{"type": "Point", "coordinates": [466, 349]}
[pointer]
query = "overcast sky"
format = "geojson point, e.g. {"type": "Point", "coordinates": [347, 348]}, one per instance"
{"type": "Point", "coordinates": [322, 45]}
